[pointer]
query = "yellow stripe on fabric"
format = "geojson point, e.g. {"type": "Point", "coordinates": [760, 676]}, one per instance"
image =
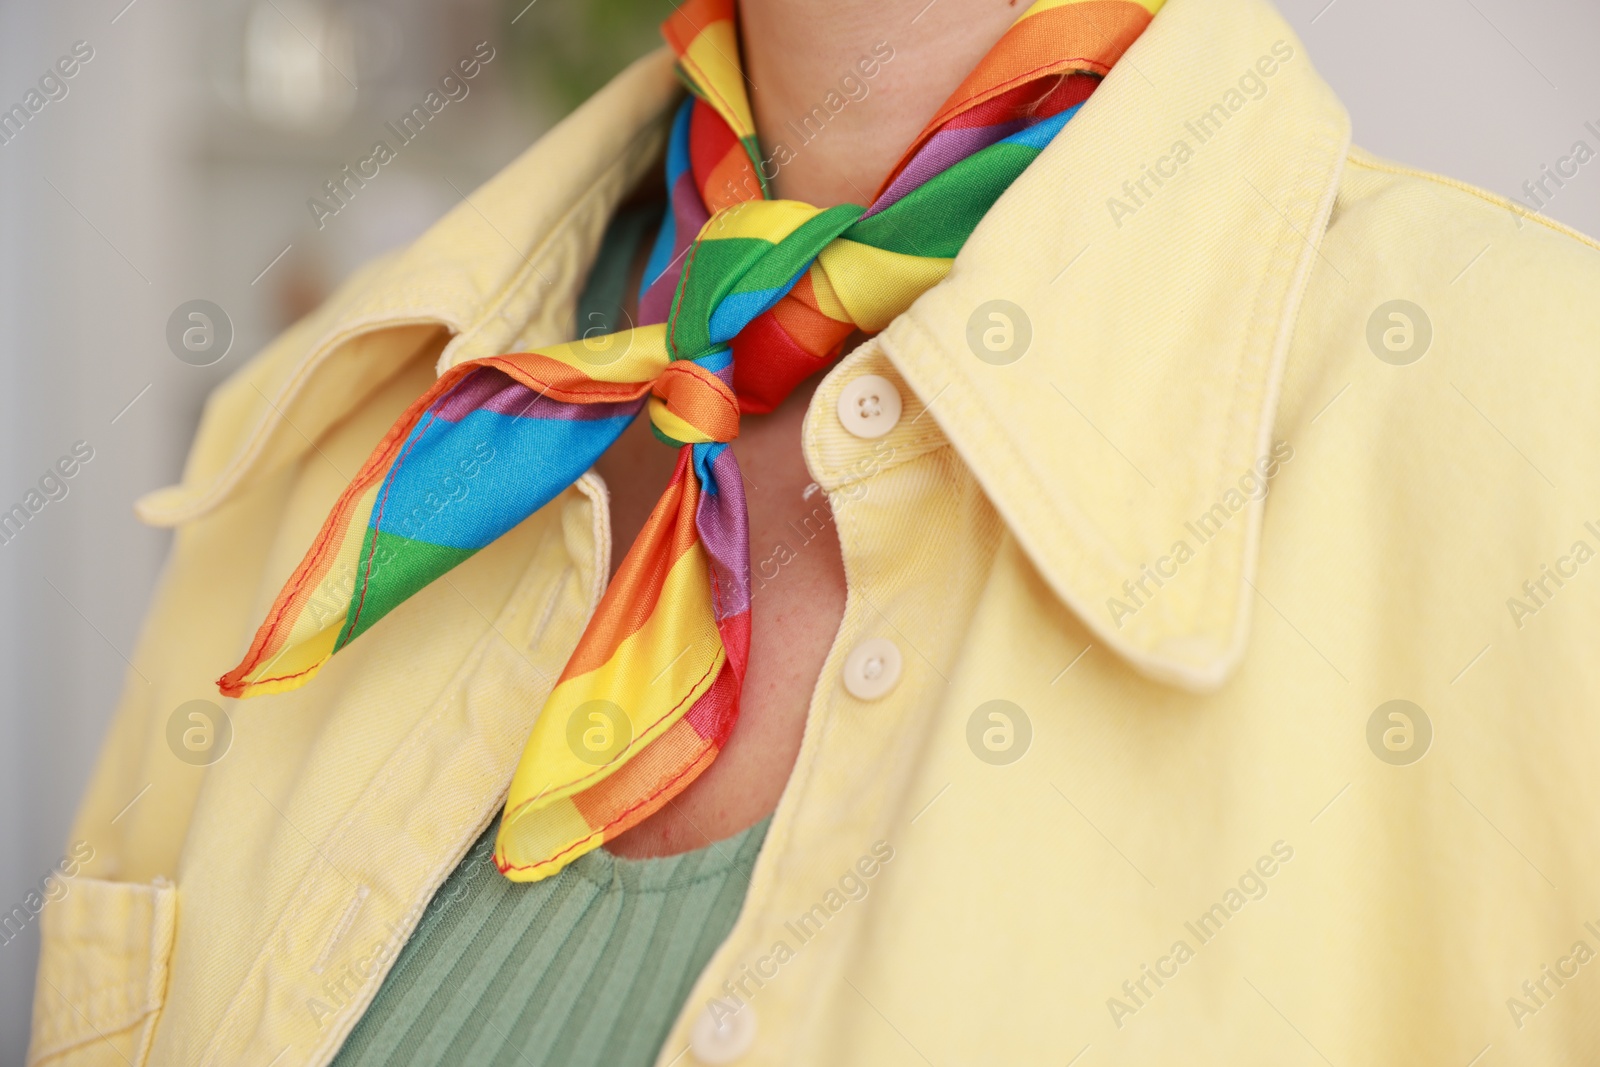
{"type": "Point", "coordinates": [656, 675]}
{"type": "Point", "coordinates": [541, 842]}
{"type": "Point", "coordinates": [828, 301]}
{"type": "Point", "coordinates": [298, 664]}
{"type": "Point", "coordinates": [766, 220]}
{"type": "Point", "coordinates": [875, 285]}
{"type": "Point", "coordinates": [1042, 6]}
{"type": "Point", "coordinates": [713, 56]}
{"type": "Point", "coordinates": [674, 426]}
{"type": "Point", "coordinates": [636, 355]}
{"type": "Point", "coordinates": [311, 639]}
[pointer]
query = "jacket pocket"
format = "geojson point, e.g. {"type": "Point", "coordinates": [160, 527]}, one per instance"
{"type": "Point", "coordinates": [102, 973]}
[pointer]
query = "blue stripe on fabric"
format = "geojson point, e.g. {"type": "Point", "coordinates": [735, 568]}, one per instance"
{"type": "Point", "coordinates": [678, 143]}
{"type": "Point", "coordinates": [677, 164]}
{"type": "Point", "coordinates": [716, 361]}
{"type": "Point", "coordinates": [736, 310]}
{"type": "Point", "coordinates": [660, 252]}
{"type": "Point", "coordinates": [704, 456]}
{"type": "Point", "coordinates": [1042, 133]}
{"type": "Point", "coordinates": [463, 484]}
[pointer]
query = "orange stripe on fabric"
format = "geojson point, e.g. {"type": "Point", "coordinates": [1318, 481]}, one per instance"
{"type": "Point", "coordinates": [613, 799]}
{"type": "Point", "coordinates": [732, 181]}
{"type": "Point", "coordinates": [632, 596]}
{"type": "Point", "coordinates": [813, 331]}
{"type": "Point", "coordinates": [674, 759]}
{"type": "Point", "coordinates": [683, 27]}
{"type": "Point", "coordinates": [1100, 29]}
{"type": "Point", "coordinates": [686, 755]}
{"type": "Point", "coordinates": [685, 23]}
{"type": "Point", "coordinates": [699, 397]}
{"type": "Point", "coordinates": [561, 381]}
{"type": "Point", "coordinates": [630, 818]}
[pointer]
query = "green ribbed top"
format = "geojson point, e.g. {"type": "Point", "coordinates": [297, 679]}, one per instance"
{"type": "Point", "coordinates": [587, 968]}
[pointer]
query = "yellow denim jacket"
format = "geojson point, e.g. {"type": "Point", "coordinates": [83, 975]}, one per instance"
{"type": "Point", "coordinates": [1232, 540]}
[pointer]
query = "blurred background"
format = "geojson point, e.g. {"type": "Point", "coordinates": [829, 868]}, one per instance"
{"type": "Point", "coordinates": [176, 164]}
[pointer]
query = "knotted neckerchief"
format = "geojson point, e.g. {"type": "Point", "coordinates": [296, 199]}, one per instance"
{"type": "Point", "coordinates": [744, 298]}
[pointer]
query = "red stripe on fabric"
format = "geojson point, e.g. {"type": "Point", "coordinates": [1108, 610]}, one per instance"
{"type": "Point", "coordinates": [1033, 100]}
{"type": "Point", "coordinates": [732, 181]}
{"type": "Point", "coordinates": [680, 30]}
{"type": "Point", "coordinates": [735, 631]}
{"type": "Point", "coordinates": [722, 169]}
{"type": "Point", "coordinates": [768, 364]}
{"type": "Point", "coordinates": [812, 329]}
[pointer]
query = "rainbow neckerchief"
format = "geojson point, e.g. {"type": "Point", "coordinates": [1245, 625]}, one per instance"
{"type": "Point", "coordinates": [745, 298]}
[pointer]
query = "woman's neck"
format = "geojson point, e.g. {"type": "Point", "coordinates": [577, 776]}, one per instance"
{"type": "Point", "coordinates": [841, 87]}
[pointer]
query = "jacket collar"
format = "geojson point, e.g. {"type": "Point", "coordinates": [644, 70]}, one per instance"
{"type": "Point", "coordinates": [502, 271]}
{"type": "Point", "coordinates": [1160, 283]}
{"type": "Point", "coordinates": [1159, 249]}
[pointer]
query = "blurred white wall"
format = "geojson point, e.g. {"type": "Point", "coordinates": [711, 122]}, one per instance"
{"type": "Point", "coordinates": [177, 166]}
{"type": "Point", "coordinates": [173, 170]}
{"type": "Point", "coordinates": [98, 230]}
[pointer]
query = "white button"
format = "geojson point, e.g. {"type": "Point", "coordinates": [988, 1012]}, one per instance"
{"type": "Point", "coordinates": [723, 1032]}
{"type": "Point", "coordinates": [872, 669]}
{"type": "Point", "coordinates": [869, 406]}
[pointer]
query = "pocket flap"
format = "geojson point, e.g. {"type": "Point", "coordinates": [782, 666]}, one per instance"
{"type": "Point", "coordinates": [102, 972]}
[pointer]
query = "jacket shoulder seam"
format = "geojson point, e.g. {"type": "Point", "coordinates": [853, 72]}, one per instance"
{"type": "Point", "coordinates": [1362, 158]}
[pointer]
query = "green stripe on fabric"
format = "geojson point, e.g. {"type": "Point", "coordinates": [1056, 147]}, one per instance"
{"type": "Point", "coordinates": [746, 265]}
{"type": "Point", "coordinates": [936, 218]}
{"type": "Point", "coordinates": [391, 569]}
{"type": "Point", "coordinates": [752, 147]}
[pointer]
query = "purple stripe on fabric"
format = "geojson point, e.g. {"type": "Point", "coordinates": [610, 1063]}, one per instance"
{"type": "Point", "coordinates": [491, 389]}
{"type": "Point", "coordinates": [724, 527]}
{"type": "Point", "coordinates": [689, 215]}
{"type": "Point", "coordinates": [943, 150]}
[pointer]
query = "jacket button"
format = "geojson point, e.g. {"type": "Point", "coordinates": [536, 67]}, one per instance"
{"type": "Point", "coordinates": [723, 1033]}
{"type": "Point", "coordinates": [869, 406]}
{"type": "Point", "coordinates": [872, 669]}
